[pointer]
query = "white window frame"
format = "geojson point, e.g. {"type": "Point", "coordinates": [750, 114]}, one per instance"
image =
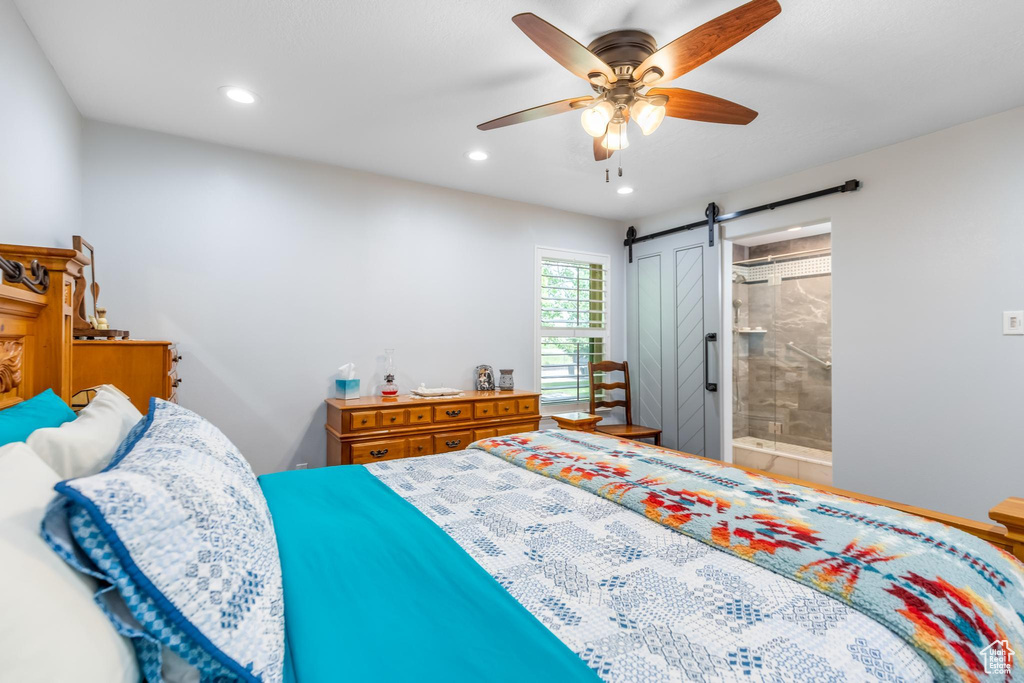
{"type": "Point", "coordinates": [541, 253]}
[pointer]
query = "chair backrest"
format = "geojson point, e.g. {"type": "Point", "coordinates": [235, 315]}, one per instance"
{"type": "Point", "coordinates": [611, 366]}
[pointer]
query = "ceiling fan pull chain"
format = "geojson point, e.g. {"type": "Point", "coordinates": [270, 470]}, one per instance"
{"type": "Point", "coordinates": [606, 178]}
{"type": "Point", "coordinates": [621, 152]}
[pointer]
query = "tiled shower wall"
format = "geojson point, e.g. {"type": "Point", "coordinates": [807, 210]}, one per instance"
{"type": "Point", "coordinates": [781, 395]}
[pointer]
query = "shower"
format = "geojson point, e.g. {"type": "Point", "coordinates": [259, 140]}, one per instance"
{"type": "Point", "coordinates": [781, 353]}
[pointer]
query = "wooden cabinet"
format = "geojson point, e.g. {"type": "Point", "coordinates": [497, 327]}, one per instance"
{"type": "Point", "coordinates": [139, 368]}
{"type": "Point", "coordinates": [373, 428]}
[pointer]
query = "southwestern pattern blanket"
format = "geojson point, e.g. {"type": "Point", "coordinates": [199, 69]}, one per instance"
{"type": "Point", "coordinates": [948, 594]}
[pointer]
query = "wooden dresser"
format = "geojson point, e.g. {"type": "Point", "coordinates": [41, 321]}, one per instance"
{"type": "Point", "coordinates": [138, 368]}
{"type": "Point", "coordinates": [371, 428]}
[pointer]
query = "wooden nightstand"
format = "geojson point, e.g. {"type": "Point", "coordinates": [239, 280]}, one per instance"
{"type": "Point", "coordinates": [371, 428]}
{"type": "Point", "coordinates": [577, 422]}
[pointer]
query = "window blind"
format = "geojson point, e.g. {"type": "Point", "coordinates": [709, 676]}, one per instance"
{"type": "Point", "coordinates": [573, 326]}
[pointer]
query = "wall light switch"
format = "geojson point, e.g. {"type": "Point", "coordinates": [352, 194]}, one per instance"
{"type": "Point", "coordinates": [1013, 322]}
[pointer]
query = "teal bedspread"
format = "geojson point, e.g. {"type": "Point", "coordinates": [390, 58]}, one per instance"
{"type": "Point", "coordinates": [374, 590]}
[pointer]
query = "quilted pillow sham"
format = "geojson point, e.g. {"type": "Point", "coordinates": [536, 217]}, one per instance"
{"type": "Point", "coordinates": [179, 534]}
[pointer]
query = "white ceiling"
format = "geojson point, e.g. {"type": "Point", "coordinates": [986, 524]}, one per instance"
{"type": "Point", "coordinates": [397, 87]}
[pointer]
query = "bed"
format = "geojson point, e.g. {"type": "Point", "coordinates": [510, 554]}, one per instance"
{"type": "Point", "coordinates": [549, 556]}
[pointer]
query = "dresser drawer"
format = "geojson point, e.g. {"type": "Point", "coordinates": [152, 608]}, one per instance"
{"type": "Point", "coordinates": [484, 410]}
{"type": "Point", "coordinates": [506, 407]}
{"type": "Point", "coordinates": [453, 412]}
{"type": "Point", "coordinates": [452, 441]}
{"type": "Point", "coordinates": [392, 418]}
{"type": "Point", "coordinates": [505, 430]}
{"type": "Point", "coordinates": [484, 434]}
{"type": "Point", "coordinates": [419, 416]}
{"type": "Point", "coordinates": [363, 419]}
{"type": "Point", "coordinates": [526, 405]}
{"type": "Point", "coordinates": [172, 382]}
{"type": "Point", "coordinates": [421, 445]}
{"type": "Point", "coordinates": [372, 451]}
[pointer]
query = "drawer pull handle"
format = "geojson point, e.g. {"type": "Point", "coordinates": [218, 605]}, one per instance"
{"type": "Point", "coordinates": [176, 382]}
{"type": "Point", "coordinates": [506, 409]}
{"type": "Point", "coordinates": [175, 359]}
{"type": "Point", "coordinates": [380, 453]}
{"type": "Point", "coordinates": [393, 418]}
{"type": "Point", "coordinates": [364, 420]}
{"type": "Point", "coordinates": [453, 444]}
{"type": "Point", "coordinates": [453, 413]}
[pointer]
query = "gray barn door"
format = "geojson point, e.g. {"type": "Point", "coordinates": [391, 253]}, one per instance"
{"type": "Point", "coordinates": [672, 304]}
{"type": "Point", "coordinates": [646, 370]}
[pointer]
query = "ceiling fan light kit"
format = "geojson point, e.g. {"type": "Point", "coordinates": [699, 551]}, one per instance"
{"type": "Point", "coordinates": [596, 118]}
{"type": "Point", "coordinates": [617, 137]}
{"type": "Point", "coordinates": [621, 67]}
{"type": "Point", "coordinates": [648, 113]}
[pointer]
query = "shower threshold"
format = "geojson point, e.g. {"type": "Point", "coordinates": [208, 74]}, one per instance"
{"type": "Point", "coordinates": [777, 457]}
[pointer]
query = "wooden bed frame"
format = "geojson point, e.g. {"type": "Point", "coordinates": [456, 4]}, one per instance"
{"type": "Point", "coordinates": [36, 354]}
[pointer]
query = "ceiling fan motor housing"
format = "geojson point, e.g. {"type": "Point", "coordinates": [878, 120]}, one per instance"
{"type": "Point", "coordinates": [623, 50]}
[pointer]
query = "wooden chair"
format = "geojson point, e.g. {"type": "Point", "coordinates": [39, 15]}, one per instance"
{"type": "Point", "coordinates": [628, 430]}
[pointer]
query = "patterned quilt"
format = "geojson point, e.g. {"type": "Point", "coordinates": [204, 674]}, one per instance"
{"type": "Point", "coordinates": [958, 600]}
{"type": "Point", "coordinates": [638, 601]}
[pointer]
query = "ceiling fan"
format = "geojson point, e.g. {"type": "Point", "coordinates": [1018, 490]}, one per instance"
{"type": "Point", "coordinates": [621, 67]}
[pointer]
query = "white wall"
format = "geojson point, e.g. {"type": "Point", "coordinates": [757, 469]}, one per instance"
{"type": "Point", "coordinates": [927, 393]}
{"type": "Point", "coordinates": [271, 272]}
{"type": "Point", "coordinates": [39, 142]}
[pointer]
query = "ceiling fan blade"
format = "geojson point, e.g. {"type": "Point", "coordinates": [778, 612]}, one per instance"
{"type": "Point", "coordinates": [540, 112]}
{"type": "Point", "coordinates": [689, 51]}
{"type": "Point", "coordinates": [562, 48]}
{"type": "Point", "coordinates": [696, 106]}
{"type": "Point", "coordinates": [600, 152]}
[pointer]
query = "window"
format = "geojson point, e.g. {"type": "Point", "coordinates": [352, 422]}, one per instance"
{"type": "Point", "coordinates": [572, 298]}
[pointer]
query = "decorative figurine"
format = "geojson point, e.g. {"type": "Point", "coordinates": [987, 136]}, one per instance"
{"type": "Point", "coordinates": [505, 382]}
{"type": "Point", "coordinates": [484, 378]}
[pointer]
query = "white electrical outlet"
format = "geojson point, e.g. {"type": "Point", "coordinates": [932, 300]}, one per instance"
{"type": "Point", "coordinates": [1013, 322]}
{"type": "Point", "coordinates": [302, 466]}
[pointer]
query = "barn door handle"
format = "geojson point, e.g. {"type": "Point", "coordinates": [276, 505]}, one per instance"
{"type": "Point", "coordinates": [708, 384]}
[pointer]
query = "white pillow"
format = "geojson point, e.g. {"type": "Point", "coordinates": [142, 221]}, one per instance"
{"type": "Point", "coordinates": [50, 627]}
{"type": "Point", "coordinates": [85, 445]}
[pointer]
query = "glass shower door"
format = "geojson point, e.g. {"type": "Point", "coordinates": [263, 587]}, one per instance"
{"type": "Point", "coordinates": [756, 341]}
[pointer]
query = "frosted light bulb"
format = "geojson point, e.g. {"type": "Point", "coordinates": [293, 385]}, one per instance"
{"type": "Point", "coordinates": [595, 119]}
{"type": "Point", "coordinates": [648, 116]}
{"type": "Point", "coordinates": [616, 137]}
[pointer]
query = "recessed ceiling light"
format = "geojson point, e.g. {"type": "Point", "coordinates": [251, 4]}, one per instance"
{"type": "Point", "coordinates": [625, 190]}
{"type": "Point", "coordinates": [477, 155]}
{"type": "Point", "coordinates": [795, 229]}
{"type": "Point", "coordinates": [240, 95]}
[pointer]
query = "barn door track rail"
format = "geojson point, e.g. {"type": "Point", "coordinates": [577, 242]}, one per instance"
{"type": "Point", "coordinates": [712, 216]}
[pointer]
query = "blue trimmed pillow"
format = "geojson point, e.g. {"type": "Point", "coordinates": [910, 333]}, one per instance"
{"type": "Point", "coordinates": [179, 534]}
{"type": "Point", "coordinates": [42, 410]}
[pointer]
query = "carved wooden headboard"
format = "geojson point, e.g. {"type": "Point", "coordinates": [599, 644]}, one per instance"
{"type": "Point", "coordinates": [35, 329]}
